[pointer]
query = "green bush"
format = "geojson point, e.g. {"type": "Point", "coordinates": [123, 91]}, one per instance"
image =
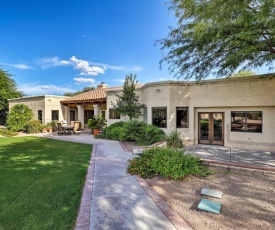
{"type": "Point", "coordinates": [149, 134]}
{"type": "Point", "coordinates": [33, 126]}
{"type": "Point", "coordinates": [7, 133]}
{"type": "Point", "coordinates": [174, 140]}
{"type": "Point", "coordinates": [167, 163]}
{"type": "Point", "coordinates": [114, 133]}
{"type": "Point", "coordinates": [131, 129]}
{"type": "Point", "coordinates": [142, 165]}
{"type": "Point", "coordinates": [18, 118]}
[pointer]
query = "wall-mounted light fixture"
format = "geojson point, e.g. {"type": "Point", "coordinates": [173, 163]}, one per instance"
{"type": "Point", "coordinates": [49, 100]}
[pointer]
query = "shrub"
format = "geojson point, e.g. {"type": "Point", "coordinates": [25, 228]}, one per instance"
{"type": "Point", "coordinates": [19, 116]}
{"type": "Point", "coordinates": [149, 134]}
{"type": "Point", "coordinates": [167, 163]}
{"type": "Point", "coordinates": [114, 133]}
{"type": "Point", "coordinates": [7, 133]}
{"type": "Point", "coordinates": [174, 140]}
{"type": "Point", "coordinates": [131, 129]}
{"type": "Point", "coordinates": [142, 165]}
{"type": "Point", "coordinates": [33, 126]}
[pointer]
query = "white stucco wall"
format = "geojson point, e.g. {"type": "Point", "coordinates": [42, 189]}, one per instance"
{"type": "Point", "coordinates": [224, 95]}
{"type": "Point", "coordinates": [46, 103]}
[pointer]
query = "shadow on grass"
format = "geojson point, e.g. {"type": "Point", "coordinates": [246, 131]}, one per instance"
{"type": "Point", "coordinates": [41, 182]}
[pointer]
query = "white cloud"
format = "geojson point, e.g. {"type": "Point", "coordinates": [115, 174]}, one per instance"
{"type": "Point", "coordinates": [120, 67]}
{"type": "Point", "coordinates": [49, 62]}
{"type": "Point", "coordinates": [85, 67]}
{"type": "Point", "coordinates": [17, 66]}
{"type": "Point", "coordinates": [36, 89]}
{"type": "Point", "coordinates": [80, 80]}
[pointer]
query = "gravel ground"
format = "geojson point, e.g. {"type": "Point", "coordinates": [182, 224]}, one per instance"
{"type": "Point", "coordinates": [248, 201]}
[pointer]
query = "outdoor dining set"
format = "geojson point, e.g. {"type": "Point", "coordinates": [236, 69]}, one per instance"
{"type": "Point", "coordinates": [63, 128]}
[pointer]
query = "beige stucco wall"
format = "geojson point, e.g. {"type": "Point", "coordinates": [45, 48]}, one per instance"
{"type": "Point", "coordinates": [224, 95]}
{"type": "Point", "coordinates": [46, 103]}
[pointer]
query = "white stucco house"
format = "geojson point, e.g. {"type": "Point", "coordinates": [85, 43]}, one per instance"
{"type": "Point", "coordinates": [236, 112]}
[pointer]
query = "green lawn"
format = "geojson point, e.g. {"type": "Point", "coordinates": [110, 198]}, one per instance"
{"type": "Point", "coordinates": [41, 182]}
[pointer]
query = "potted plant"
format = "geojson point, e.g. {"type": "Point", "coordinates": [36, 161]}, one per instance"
{"type": "Point", "coordinates": [49, 127]}
{"type": "Point", "coordinates": [44, 128]}
{"type": "Point", "coordinates": [96, 124]}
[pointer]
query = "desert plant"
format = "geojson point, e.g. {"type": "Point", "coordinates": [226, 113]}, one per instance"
{"type": "Point", "coordinates": [131, 129]}
{"type": "Point", "coordinates": [19, 116]}
{"type": "Point", "coordinates": [33, 126]}
{"type": "Point", "coordinates": [149, 134]}
{"type": "Point", "coordinates": [174, 140]}
{"type": "Point", "coordinates": [114, 133]}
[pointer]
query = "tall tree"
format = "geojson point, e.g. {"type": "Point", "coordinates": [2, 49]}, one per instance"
{"type": "Point", "coordinates": [85, 89]}
{"type": "Point", "coordinates": [217, 37]}
{"type": "Point", "coordinates": [8, 90]}
{"type": "Point", "coordinates": [127, 103]}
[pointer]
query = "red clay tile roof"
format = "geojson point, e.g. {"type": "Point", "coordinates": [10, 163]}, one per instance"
{"type": "Point", "coordinates": [97, 94]}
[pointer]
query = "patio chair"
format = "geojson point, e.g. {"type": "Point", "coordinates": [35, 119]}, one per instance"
{"type": "Point", "coordinates": [76, 128]}
{"type": "Point", "coordinates": [60, 130]}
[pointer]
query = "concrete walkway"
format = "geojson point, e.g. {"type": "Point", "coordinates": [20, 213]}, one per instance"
{"type": "Point", "coordinates": [118, 199]}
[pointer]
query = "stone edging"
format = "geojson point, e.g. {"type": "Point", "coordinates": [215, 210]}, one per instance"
{"type": "Point", "coordinates": [83, 217]}
{"type": "Point", "coordinates": [175, 219]}
{"type": "Point", "coordinates": [239, 165]}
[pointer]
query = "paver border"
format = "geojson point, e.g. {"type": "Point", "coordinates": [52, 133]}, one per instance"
{"type": "Point", "coordinates": [245, 166]}
{"type": "Point", "coordinates": [83, 217]}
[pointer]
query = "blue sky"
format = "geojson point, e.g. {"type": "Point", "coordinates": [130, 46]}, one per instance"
{"type": "Point", "coordinates": [54, 47]}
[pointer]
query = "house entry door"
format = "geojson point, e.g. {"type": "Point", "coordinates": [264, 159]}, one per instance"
{"type": "Point", "coordinates": [211, 128]}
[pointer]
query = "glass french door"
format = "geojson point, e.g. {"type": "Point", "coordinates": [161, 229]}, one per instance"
{"type": "Point", "coordinates": [211, 128]}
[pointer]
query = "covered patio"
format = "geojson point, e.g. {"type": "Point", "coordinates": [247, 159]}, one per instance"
{"type": "Point", "coordinates": [84, 106]}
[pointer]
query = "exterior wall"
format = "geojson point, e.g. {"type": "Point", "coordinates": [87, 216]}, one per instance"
{"type": "Point", "coordinates": [34, 103]}
{"type": "Point", "coordinates": [224, 95]}
{"type": "Point", "coordinates": [46, 103]}
{"type": "Point", "coordinates": [53, 103]}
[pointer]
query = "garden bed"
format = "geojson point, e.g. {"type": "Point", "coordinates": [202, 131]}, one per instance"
{"type": "Point", "coordinates": [248, 201]}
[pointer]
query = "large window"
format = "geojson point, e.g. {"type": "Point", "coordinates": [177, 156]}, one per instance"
{"type": "Point", "coordinates": [246, 122]}
{"type": "Point", "coordinates": [159, 116]}
{"type": "Point", "coordinates": [55, 115]}
{"type": "Point", "coordinates": [182, 117]}
{"type": "Point", "coordinates": [113, 114]}
{"type": "Point", "coordinates": [39, 115]}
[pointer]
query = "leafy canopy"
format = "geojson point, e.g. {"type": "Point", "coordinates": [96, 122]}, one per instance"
{"type": "Point", "coordinates": [8, 90]}
{"type": "Point", "coordinates": [218, 37]}
{"type": "Point", "coordinates": [127, 103]}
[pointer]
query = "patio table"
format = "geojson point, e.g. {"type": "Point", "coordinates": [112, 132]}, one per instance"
{"type": "Point", "coordinates": [68, 129]}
